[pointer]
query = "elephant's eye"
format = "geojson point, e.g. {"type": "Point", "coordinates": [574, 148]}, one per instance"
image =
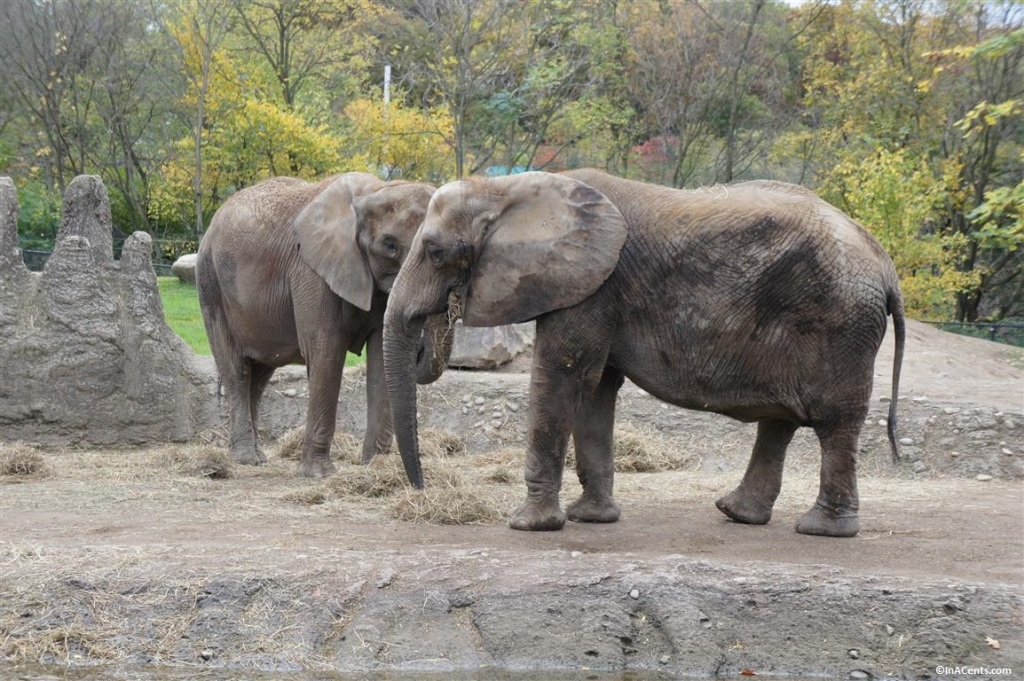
{"type": "Point", "coordinates": [436, 255]}
{"type": "Point", "coordinates": [389, 245]}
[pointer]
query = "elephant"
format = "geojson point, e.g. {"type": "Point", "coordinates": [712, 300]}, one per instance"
{"type": "Point", "coordinates": [296, 272]}
{"type": "Point", "coordinates": [757, 300]}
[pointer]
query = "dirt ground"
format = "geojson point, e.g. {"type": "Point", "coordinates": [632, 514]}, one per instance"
{"type": "Point", "coordinates": [129, 564]}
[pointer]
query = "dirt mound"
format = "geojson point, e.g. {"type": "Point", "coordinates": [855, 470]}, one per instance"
{"type": "Point", "coordinates": [143, 561]}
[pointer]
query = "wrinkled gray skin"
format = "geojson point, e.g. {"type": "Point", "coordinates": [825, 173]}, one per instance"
{"type": "Point", "coordinates": [293, 272]}
{"type": "Point", "coordinates": [757, 301]}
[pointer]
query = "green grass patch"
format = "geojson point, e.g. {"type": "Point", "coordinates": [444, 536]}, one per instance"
{"type": "Point", "coordinates": [181, 309]}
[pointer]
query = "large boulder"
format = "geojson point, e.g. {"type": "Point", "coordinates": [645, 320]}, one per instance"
{"type": "Point", "coordinates": [85, 354]}
{"type": "Point", "coordinates": [490, 347]}
{"type": "Point", "coordinates": [185, 268]}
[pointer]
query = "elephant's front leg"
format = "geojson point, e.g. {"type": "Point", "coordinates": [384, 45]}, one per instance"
{"type": "Point", "coordinates": [550, 422]}
{"type": "Point", "coordinates": [379, 431]}
{"type": "Point", "coordinates": [753, 500]}
{"type": "Point", "coordinates": [324, 372]}
{"type": "Point", "coordinates": [593, 434]}
{"type": "Point", "coordinates": [568, 360]}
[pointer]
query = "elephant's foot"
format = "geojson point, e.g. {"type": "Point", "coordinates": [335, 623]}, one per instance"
{"type": "Point", "coordinates": [828, 522]}
{"type": "Point", "coordinates": [590, 510]}
{"type": "Point", "coordinates": [320, 467]}
{"type": "Point", "coordinates": [744, 508]}
{"type": "Point", "coordinates": [369, 454]}
{"type": "Point", "coordinates": [248, 456]}
{"type": "Point", "coordinates": [538, 517]}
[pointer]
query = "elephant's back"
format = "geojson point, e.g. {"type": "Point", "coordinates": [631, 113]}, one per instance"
{"type": "Point", "coordinates": [247, 257]}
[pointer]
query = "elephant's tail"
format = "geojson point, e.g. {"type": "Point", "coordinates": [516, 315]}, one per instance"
{"type": "Point", "coordinates": [211, 303]}
{"type": "Point", "coordinates": [894, 303]}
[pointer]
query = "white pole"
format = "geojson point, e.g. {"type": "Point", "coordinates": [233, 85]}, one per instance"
{"type": "Point", "coordinates": [387, 84]}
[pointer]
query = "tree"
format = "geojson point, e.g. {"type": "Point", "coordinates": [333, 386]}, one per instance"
{"type": "Point", "coordinates": [983, 145]}
{"type": "Point", "coordinates": [452, 52]}
{"type": "Point", "coordinates": [305, 40]}
{"type": "Point", "coordinates": [199, 31]}
{"type": "Point", "coordinates": [47, 47]}
{"type": "Point", "coordinates": [130, 105]}
{"type": "Point", "coordinates": [507, 71]}
{"type": "Point", "coordinates": [397, 141]}
{"type": "Point", "coordinates": [85, 75]}
{"type": "Point", "coordinates": [247, 134]}
{"type": "Point", "coordinates": [888, 78]}
{"type": "Point", "coordinates": [710, 82]}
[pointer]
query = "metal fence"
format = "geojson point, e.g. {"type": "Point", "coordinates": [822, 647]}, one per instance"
{"type": "Point", "coordinates": [1010, 333]}
{"type": "Point", "coordinates": [165, 252]}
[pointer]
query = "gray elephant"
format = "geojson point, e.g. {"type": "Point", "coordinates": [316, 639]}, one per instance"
{"type": "Point", "coordinates": [757, 301]}
{"type": "Point", "coordinates": [295, 272]}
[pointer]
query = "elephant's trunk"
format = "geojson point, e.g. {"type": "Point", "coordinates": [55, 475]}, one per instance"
{"type": "Point", "coordinates": [401, 341]}
{"type": "Point", "coordinates": [417, 300]}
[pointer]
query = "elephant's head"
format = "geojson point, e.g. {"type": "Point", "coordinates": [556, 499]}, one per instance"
{"type": "Point", "coordinates": [355, 234]}
{"type": "Point", "coordinates": [503, 250]}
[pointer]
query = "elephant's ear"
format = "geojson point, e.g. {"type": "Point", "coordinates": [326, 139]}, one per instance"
{"type": "Point", "coordinates": [550, 243]}
{"type": "Point", "coordinates": [326, 230]}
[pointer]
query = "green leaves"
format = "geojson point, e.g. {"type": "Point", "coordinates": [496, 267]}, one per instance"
{"type": "Point", "coordinates": [999, 219]}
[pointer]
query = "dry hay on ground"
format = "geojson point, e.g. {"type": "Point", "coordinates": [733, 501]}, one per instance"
{"type": "Point", "coordinates": [448, 506]}
{"type": "Point", "coordinates": [344, 446]}
{"type": "Point", "coordinates": [202, 461]}
{"type": "Point", "coordinates": [438, 443]}
{"type": "Point", "coordinates": [468, 489]}
{"type": "Point", "coordinates": [72, 640]}
{"type": "Point", "coordinates": [20, 462]}
{"type": "Point", "coordinates": [434, 442]}
{"type": "Point", "coordinates": [453, 495]}
{"type": "Point", "coordinates": [289, 445]}
{"type": "Point", "coordinates": [381, 477]}
{"type": "Point", "coordinates": [642, 449]}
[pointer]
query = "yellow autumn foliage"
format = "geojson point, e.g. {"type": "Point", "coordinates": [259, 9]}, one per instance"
{"type": "Point", "coordinates": [895, 196]}
{"type": "Point", "coordinates": [398, 142]}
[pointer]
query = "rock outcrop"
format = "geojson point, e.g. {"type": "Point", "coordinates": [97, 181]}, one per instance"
{"type": "Point", "coordinates": [85, 354]}
{"type": "Point", "coordinates": [185, 268]}
{"type": "Point", "coordinates": [490, 347]}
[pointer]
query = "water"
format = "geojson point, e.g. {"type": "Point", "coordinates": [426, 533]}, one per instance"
{"type": "Point", "coordinates": [41, 673]}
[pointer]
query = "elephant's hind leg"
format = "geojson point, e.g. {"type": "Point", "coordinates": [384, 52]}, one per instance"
{"type": "Point", "coordinates": [259, 378]}
{"type": "Point", "coordinates": [595, 464]}
{"type": "Point", "coordinates": [752, 501]}
{"type": "Point", "coordinates": [379, 430]}
{"type": "Point", "coordinates": [238, 381]}
{"type": "Point", "coordinates": [834, 514]}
